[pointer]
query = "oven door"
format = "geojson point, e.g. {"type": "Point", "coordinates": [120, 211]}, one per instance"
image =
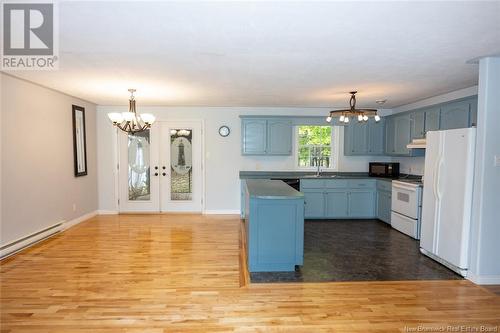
{"type": "Point", "coordinates": [405, 199]}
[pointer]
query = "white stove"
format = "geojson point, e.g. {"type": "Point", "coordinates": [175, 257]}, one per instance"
{"type": "Point", "coordinates": [407, 207]}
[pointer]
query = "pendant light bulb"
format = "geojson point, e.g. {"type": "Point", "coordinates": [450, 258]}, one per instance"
{"type": "Point", "coordinates": [341, 119]}
{"type": "Point", "coordinates": [328, 119]}
{"type": "Point", "coordinates": [360, 118]}
{"type": "Point", "coordinates": [377, 118]}
{"type": "Point", "coordinates": [346, 120]}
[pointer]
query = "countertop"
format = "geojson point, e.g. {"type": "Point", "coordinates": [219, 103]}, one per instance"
{"type": "Point", "coordinates": [246, 175]}
{"type": "Point", "coordinates": [271, 189]}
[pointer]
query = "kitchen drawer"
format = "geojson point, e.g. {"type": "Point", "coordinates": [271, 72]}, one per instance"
{"type": "Point", "coordinates": [362, 183]}
{"type": "Point", "coordinates": [336, 183]}
{"type": "Point", "coordinates": [405, 225]}
{"type": "Point", "coordinates": [384, 185]}
{"type": "Point", "coordinates": [312, 183]}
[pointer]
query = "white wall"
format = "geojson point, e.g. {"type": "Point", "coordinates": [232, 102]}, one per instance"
{"type": "Point", "coordinates": [37, 178]}
{"type": "Point", "coordinates": [415, 165]}
{"type": "Point", "coordinates": [223, 159]}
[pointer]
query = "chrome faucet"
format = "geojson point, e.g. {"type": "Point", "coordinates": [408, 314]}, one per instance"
{"type": "Point", "coordinates": [318, 172]}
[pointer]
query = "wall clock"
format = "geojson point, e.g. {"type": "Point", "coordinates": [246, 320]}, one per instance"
{"type": "Point", "coordinates": [224, 131]}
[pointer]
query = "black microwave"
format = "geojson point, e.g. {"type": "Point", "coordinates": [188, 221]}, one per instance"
{"type": "Point", "coordinates": [383, 169]}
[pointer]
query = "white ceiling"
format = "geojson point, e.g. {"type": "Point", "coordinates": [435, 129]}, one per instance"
{"type": "Point", "coordinates": [269, 54]}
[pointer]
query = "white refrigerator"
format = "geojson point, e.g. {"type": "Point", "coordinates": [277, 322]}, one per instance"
{"type": "Point", "coordinates": [447, 197]}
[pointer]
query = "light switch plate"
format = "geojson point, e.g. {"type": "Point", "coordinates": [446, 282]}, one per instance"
{"type": "Point", "coordinates": [497, 160]}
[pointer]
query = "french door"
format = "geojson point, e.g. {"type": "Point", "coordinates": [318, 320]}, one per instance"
{"type": "Point", "coordinates": [161, 168]}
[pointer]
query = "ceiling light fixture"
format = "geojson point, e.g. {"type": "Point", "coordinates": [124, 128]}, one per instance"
{"type": "Point", "coordinates": [361, 114]}
{"type": "Point", "coordinates": [130, 121]}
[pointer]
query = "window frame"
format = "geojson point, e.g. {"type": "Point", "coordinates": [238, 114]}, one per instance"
{"type": "Point", "coordinates": [334, 149]}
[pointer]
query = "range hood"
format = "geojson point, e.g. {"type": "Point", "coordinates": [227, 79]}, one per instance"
{"type": "Point", "coordinates": [417, 144]}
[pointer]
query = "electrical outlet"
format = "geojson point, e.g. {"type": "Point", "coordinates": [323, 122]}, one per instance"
{"type": "Point", "coordinates": [497, 161]}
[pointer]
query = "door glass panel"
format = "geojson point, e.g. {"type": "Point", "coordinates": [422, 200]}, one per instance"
{"type": "Point", "coordinates": [139, 185]}
{"type": "Point", "coordinates": [181, 157]}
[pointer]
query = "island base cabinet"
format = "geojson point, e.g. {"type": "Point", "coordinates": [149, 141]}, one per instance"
{"type": "Point", "coordinates": [275, 234]}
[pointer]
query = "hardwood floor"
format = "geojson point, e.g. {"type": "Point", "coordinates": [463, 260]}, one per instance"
{"type": "Point", "coordinates": [170, 273]}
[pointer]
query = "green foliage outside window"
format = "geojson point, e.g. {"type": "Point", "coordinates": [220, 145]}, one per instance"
{"type": "Point", "coordinates": [314, 146]}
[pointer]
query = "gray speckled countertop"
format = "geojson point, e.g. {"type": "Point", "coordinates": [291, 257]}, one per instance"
{"type": "Point", "coordinates": [271, 189]}
{"type": "Point", "coordinates": [312, 175]}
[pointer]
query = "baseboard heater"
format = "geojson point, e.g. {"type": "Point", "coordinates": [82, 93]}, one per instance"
{"type": "Point", "coordinates": [24, 242]}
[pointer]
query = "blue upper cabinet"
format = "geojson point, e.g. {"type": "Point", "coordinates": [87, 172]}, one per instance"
{"type": "Point", "coordinates": [376, 137]}
{"type": "Point", "coordinates": [417, 120]}
{"type": "Point", "coordinates": [455, 115]}
{"type": "Point", "coordinates": [473, 112]}
{"type": "Point", "coordinates": [364, 138]}
{"type": "Point", "coordinates": [402, 130]}
{"type": "Point", "coordinates": [356, 138]}
{"type": "Point", "coordinates": [254, 136]}
{"type": "Point", "coordinates": [432, 116]}
{"type": "Point", "coordinates": [279, 137]}
{"type": "Point", "coordinates": [262, 136]}
{"type": "Point", "coordinates": [390, 128]}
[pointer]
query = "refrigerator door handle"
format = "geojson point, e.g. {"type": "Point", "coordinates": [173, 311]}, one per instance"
{"type": "Point", "coordinates": [437, 182]}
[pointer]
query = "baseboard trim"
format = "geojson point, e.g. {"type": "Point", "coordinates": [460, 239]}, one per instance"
{"type": "Point", "coordinates": [80, 219]}
{"type": "Point", "coordinates": [484, 279]}
{"type": "Point", "coordinates": [107, 212]}
{"type": "Point", "coordinates": [36, 237]}
{"type": "Point", "coordinates": [222, 212]}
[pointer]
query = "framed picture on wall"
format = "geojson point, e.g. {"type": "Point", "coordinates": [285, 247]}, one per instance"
{"type": "Point", "coordinates": [79, 141]}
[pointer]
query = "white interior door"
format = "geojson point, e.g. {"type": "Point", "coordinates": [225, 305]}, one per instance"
{"type": "Point", "coordinates": [181, 181]}
{"type": "Point", "coordinates": [138, 178]}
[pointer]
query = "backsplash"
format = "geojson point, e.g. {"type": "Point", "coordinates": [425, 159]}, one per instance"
{"type": "Point", "coordinates": [411, 165]}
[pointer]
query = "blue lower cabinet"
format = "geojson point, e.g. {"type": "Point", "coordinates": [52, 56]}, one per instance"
{"type": "Point", "coordinates": [314, 206]}
{"type": "Point", "coordinates": [275, 234]}
{"type": "Point", "coordinates": [336, 203]}
{"type": "Point", "coordinates": [338, 199]}
{"type": "Point", "coordinates": [384, 206]}
{"type": "Point", "coordinates": [361, 204]}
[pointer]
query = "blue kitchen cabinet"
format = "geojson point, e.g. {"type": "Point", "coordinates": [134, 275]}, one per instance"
{"type": "Point", "coordinates": [336, 204]}
{"type": "Point", "coordinates": [361, 204]}
{"type": "Point", "coordinates": [339, 198]}
{"type": "Point", "coordinates": [455, 115]}
{"type": "Point", "coordinates": [390, 129]}
{"type": "Point", "coordinates": [279, 137]}
{"type": "Point", "coordinates": [364, 138]}
{"type": "Point", "coordinates": [274, 225]}
{"type": "Point", "coordinates": [356, 138]}
{"type": "Point", "coordinates": [314, 203]}
{"type": "Point", "coordinates": [254, 136]}
{"type": "Point", "coordinates": [384, 200]}
{"type": "Point", "coordinates": [402, 138]}
{"type": "Point", "coordinates": [417, 121]}
{"type": "Point", "coordinates": [384, 206]}
{"type": "Point", "coordinates": [376, 136]}
{"type": "Point", "coordinates": [432, 117]}
{"type": "Point", "coordinates": [473, 112]}
{"type": "Point", "coordinates": [266, 136]}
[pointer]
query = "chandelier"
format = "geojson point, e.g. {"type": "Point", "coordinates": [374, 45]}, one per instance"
{"type": "Point", "coordinates": [130, 121]}
{"type": "Point", "coordinates": [361, 114]}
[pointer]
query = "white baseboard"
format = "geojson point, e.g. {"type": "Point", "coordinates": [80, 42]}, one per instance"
{"type": "Point", "coordinates": [79, 219]}
{"type": "Point", "coordinates": [222, 212]}
{"type": "Point", "coordinates": [30, 240]}
{"type": "Point", "coordinates": [107, 212]}
{"type": "Point", "coordinates": [484, 279]}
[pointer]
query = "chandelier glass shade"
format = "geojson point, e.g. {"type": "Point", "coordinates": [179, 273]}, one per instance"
{"type": "Point", "coordinates": [362, 115]}
{"type": "Point", "coordinates": [130, 121]}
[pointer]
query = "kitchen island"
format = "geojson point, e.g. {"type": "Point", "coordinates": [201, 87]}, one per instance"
{"type": "Point", "coordinates": [274, 223]}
